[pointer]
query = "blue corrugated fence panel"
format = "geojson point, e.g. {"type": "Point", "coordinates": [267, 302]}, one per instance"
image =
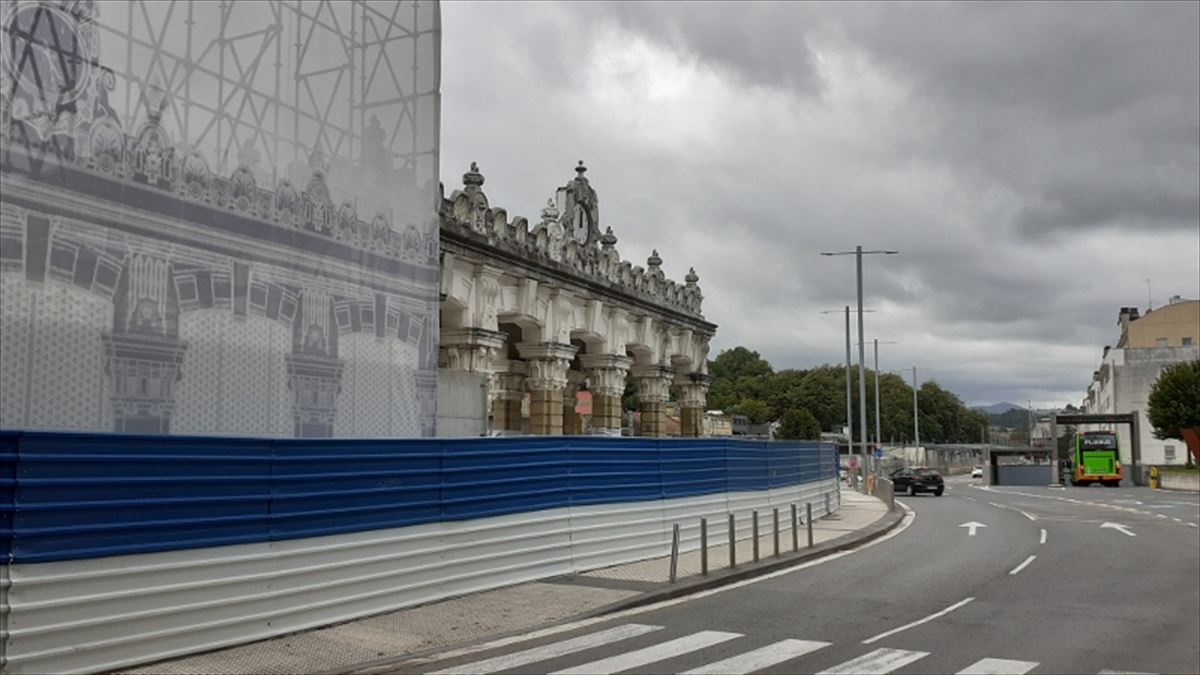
{"type": "Point", "coordinates": [87, 495]}
{"type": "Point", "coordinates": [8, 489]}
{"type": "Point", "coordinates": [606, 470]}
{"type": "Point", "coordinates": [330, 486]}
{"type": "Point", "coordinates": [692, 467]}
{"type": "Point", "coordinates": [511, 476]}
{"type": "Point", "coordinates": [78, 495]}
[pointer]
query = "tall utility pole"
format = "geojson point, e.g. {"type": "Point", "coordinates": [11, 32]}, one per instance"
{"type": "Point", "coordinates": [862, 376]}
{"type": "Point", "coordinates": [878, 435]}
{"type": "Point", "coordinates": [916, 413]}
{"type": "Point", "coordinates": [849, 409]}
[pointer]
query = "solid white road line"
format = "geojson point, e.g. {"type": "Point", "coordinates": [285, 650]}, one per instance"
{"type": "Point", "coordinates": [651, 654]}
{"type": "Point", "coordinates": [763, 657]}
{"type": "Point", "coordinates": [551, 651]}
{"type": "Point", "coordinates": [999, 667]}
{"type": "Point", "coordinates": [878, 662]}
{"type": "Point", "coordinates": [1022, 566]}
{"type": "Point", "coordinates": [918, 622]}
{"type": "Point", "coordinates": [1043, 539]}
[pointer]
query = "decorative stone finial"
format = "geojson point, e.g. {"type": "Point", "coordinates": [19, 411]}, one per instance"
{"type": "Point", "coordinates": [472, 178]}
{"type": "Point", "coordinates": [550, 212]}
{"type": "Point", "coordinates": [608, 239]}
{"type": "Point", "coordinates": [691, 277]}
{"type": "Point", "coordinates": [654, 260]}
{"type": "Point", "coordinates": [581, 169]}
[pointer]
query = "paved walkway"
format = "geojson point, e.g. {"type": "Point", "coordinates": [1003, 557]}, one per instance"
{"type": "Point", "coordinates": [514, 609]}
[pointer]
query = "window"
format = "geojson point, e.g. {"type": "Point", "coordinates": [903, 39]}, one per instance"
{"type": "Point", "coordinates": [1160, 342]}
{"type": "Point", "coordinates": [1188, 342]}
{"type": "Point", "coordinates": [1169, 453]}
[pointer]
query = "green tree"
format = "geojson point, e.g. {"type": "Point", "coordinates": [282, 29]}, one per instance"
{"type": "Point", "coordinates": [755, 410]}
{"type": "Point", "coordinates": [1174, 403]}
{"type": "Point", "coordinates": [738, 362]}
{"type": "Point", "coordinates": [799, 424]}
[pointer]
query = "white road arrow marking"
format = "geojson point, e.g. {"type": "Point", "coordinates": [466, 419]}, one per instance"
{"type": "Point", "coordinates": [972, 526]}
{"type": "Point", "coordinates": [1123, 529]}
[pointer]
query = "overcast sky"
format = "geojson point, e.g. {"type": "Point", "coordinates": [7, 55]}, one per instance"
{"type": "Point", "coordinates": [1034, 164]}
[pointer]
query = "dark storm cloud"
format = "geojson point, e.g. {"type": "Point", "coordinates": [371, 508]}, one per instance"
{"type": "Point", "coordinates": [1033, 163]}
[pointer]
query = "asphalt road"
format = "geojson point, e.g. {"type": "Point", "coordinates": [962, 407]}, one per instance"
{"type": "Point", "coordinates": [1043, 586]}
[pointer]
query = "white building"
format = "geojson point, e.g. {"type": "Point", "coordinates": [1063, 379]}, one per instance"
{"type": "Point", "coordinates": [1127, 372]}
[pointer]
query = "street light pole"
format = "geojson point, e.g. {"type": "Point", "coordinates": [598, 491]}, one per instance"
{"type": "Point", "coordinates": [849, 408]}
{"type": "Point", "coordinates": [916, 414]}
{"type": "Point", "coordinates": [862, 377]}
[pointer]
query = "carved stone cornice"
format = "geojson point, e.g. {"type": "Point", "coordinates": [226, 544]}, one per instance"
{"type": "Point", "coordinates": [470, 349]}
{"type": "Point", "coordinates": [567, 244]}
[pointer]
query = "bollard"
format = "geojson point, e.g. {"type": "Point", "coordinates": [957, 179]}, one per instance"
{"type": "Point", "coordinates": [755, 528]}
{"type": "Point", "coordinates": [704, 546]}
{"type": "Point", "coordinates": [732, 543]}
{"type": "Point", "coordinates": [775, 513]}
{"type": "Point", "coordinates": [808, 514]}
{"type": "Point", "coordinates": [827, 511]}
{"type": "Point", "coordinates": [795, 530]}
{"type": "Point", "coordinates": [674, 551]}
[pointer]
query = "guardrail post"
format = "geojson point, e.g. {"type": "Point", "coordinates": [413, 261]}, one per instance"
{"type": "Point", "coordinates": [732, 543]}
{"type": "Point", "coordinates": [674, 551]}
{"type": "Point", "coordinates": [808, 514]}
{"type": "Point", "coordinates": [775, 513]}
{"type": "Point", "coordinates": [795, 530]}
{"type": "Point", "coordinates": [755, 528]}
{"type": "Point", "coordinates": [704, 546]}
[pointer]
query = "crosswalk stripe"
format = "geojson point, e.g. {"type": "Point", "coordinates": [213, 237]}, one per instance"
{"type": "Point", "coordinates": [550, 651]}
{"type": "Point", "coordinates": [763, 657]}
{"type": "Point", "coordinates": [651, 654]}
{"type": "Point", "coordinates": [999, 667]}
{"type": "Point", "coordinates": [878, 662]}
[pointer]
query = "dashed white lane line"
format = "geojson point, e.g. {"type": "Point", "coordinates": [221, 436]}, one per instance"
{"type": "Point", "coordinates": [1023, 565]}
{"type": "Point", "coordinates": [970, 499]}
{"type": "Point", "coordinates": [918, 622]}
{"type": "Point", "coordinates": [1029, 515]}
{"type": "Point", "coordinates": [1043, 539]}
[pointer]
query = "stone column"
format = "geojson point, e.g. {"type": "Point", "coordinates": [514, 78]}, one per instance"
{"type": "Point", "coordinates": [548, 363]}
{"type": "Point", "coordinates": [653, 383]}
{"type": "Point", "coordinates": [572, 421]}
{"type": "Point", "coordinates": [507, 393]}
{"type": "Point", "coordinates": [606, 381]}
{"type": "Point", "coordinates": [473, 350]}
{"type": "Point", "coordinates": [690, 391]}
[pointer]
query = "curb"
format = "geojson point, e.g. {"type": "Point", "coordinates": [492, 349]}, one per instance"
{"type": "Point", "coordinates": [887, 523]}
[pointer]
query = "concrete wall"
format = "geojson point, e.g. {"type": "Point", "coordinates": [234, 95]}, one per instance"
{"type": "Point", "coordinates": [462, 398]}
{"type": "Point", "coordinates": [1179, 481]}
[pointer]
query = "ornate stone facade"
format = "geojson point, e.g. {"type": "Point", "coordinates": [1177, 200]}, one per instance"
{"type": "Point", "coordinates": [571, 314]}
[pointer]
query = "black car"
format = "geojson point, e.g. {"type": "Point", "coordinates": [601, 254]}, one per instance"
{"type": "Point", "coordinates": [918, 479]}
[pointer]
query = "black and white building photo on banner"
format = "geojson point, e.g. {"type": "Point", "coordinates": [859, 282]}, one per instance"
{"type": "Point", "coordinates": [219, 217]}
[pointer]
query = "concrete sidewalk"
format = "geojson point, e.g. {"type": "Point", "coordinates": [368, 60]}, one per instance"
{"type": "Point", "coordinates": [370, 643]}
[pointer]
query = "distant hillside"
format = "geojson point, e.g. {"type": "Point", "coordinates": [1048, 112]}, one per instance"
{"type": "Point", "coordinates": [998, 408]}
{"type": "Point", "coordinates": [1016, 418]}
